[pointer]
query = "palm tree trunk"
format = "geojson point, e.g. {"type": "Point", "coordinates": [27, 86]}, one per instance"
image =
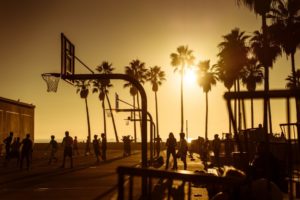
{"type": "Point", "coordinates": [235, 106]}
{"type": "Point", "coordinates": [156, 109]}
{"type": "Point", "coordinates": [239, 108]}
{"type": "Point", "coordinates": [270, 117]}
{"type": "Point", "coordinates": [134, 121]}
{"type": "Point", "coordinates": [181, 98]}
{"type": "Point", "coordinates": [229, 119]}
{"type": "Point", "coordinates": [89, 127]}
{"type": "Point", "coordinates": [252, 114]}
{"type": "Point", "coordinates": [138, 105]}
{"type": "Point", "coordinates": [295, 86]}
{"type": "Point", "coordinates": [244, 114]}
{"type": "Point", "coordinates": [266, 86]}
{"type": "Point", "coordinates": [206, 114]}
{"type": "Point", "coordinates": [112, 118]}
{"type": "Point", "coordinates": [104, 118]}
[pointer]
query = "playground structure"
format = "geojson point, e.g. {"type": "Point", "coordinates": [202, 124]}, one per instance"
{"type": "Point", "coordinates": [285, 147]}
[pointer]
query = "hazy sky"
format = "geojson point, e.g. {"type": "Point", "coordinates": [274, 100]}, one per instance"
{"type": "Point", "coordinates": [119, 31]}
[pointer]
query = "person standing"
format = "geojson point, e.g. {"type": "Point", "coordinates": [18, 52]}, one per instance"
{"type": "Point", "coordinates": [15, 149]}
{"type": "Point", "coordinates": [157, 145]}
{"type": "Point", "coordinates": [103, 146]}
{"type": "Point", "coordinates": [75, 146]}
{"type": "Point", "coordinates": [96, 146]}
{"type": "Point", "coordinates": [229, 147]}
{"type": "Point", "coordinates": [53, 149]}
{"type": "Point", "coordinates": [216, 145]}
{"type": "Point", "coordinates": [26, 151]}
{"type": "Point", "coordinates": [182, 150]}
{"type": "Point", "coordinates": [171, 144]}
{"type": "Point", "coordinates": [7, 141]}
{"type": "Point", "coordinates": [67, 144]}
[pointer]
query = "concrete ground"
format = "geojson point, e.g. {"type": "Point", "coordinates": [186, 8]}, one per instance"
{"type": "Point", "coordinates": [86, 180]}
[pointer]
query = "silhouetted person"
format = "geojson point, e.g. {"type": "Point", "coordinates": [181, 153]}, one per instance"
{"type": "Point", "coordinates": [26, 151]}
{"type": "Point", "coordinates": [67, 143]}
{"type": "Point", "coordinates": [157, 145]}
{"type": "Point", "coordinates": [205, 153]}
{"type": "Point", "coordinates": [75, 146]}
{"type": "Point", "coordinates": [171, 144]}
{"type": "Point", "coordinates": [53, 149]}
{"type": "Point", "coordinates": [229, 147]}
{"type": "Point", "coordinates": [87, 146]}
{"type": "Point", "coordinates": [7, 141]}
{"type": "Point", "coordinates": [182, 150]}
{"type": "Point", "coordinates": [216, 146]}
{"type": "Point", "coordinates": [127, 145]}
{"type": "Point", "coordinates": [15, 149]}
{"type": "Point", "coordinates": [96, 146]}
{"type": "Point", "coordinates": [265, 165]}
{"type": "Point", "coordinates": [103, 146]}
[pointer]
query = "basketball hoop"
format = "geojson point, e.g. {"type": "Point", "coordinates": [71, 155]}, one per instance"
{"type": "Point", "coordinates": [52, 81]}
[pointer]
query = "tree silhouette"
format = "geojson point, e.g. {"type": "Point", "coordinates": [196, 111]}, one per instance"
{"type": "Point", "coordinates": [252, 75]}
{"type": "Point", "coordinates": [233, 56]}
{"type": "Point", "coordinates": [291, 82]}
{"type": "Point", "coordinates": [102, 87]}
{"type": "Point", "coordinates": [156, 76]}
{"type": "Point", "coordinates": [285, 16]}
{"type": "Point", "coordinates": [137, 70]}
{"type": "Point", "coordinates": [183, 58]}
{"type": "Point", "coordinates": [265, 49]}
{"type": "Point", "coordinates": [262, 7]}
{"type": "Point", "coordinates": [207, 77]}
{"type": "Point", "coordinates": [83, 89]}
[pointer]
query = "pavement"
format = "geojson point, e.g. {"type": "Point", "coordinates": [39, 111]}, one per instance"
{"type": "Point", "coordinates": [86, 180]}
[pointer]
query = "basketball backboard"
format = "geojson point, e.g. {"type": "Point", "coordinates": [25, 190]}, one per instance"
{"type": "Point", "coordinates": [67, 57]}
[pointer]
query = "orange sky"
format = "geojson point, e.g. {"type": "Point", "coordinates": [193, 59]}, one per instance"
{"type": "Point", "coordinates": [120, 31]}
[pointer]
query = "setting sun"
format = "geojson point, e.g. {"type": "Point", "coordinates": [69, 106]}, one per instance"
{"type": "Point", "coordinates": [190, 76]}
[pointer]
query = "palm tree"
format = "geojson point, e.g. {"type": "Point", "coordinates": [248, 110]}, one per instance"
{"type": "Point", "coordinates": [82, 88]}
{"type": "Point", "coordinates": [181, 60]}
{"type": "Point", "coordinates": [156, 76]}
{"type": "Point", "coordinates": [251, 76]}
{"type": "Point", "coordinates": [291, 82]}
{"type": "Point", "coordinates": [285, 16]}
{"type": "Point", "coordinates": [102, 86]}
{"type": "Point", "coordinates": [265, 49]}
{"type": "Point", "coordinates": [207, 77]}
{"type": "Point", "coordinates": [262, 7]}
{"type": "Point", "coordinates": [137, 70]}
{"type": "Point", "coordinates": [233, 56]}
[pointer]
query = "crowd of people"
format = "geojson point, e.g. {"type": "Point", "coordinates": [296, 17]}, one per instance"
{"type": "Point", "coordinates": [22, 150]}
{"type": "Point", "coordinates": [14, 148]}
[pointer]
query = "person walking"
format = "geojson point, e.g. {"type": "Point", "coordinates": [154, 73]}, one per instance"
{"type": "Point", "coordinates": [182, 150]}
{"type": "Point", "coordinates": [26, 151]}
{"type": "Point", "coordinates": [67, 144]}
{"type": "Point", "coordinates": [96, 146]}
{"type": "Point", "coordinates": [216, 145]}
{"type": "Point", "coordinates": [53, 149]}
{"type": "Point", "coordinates": [171, 144]}
{"type": "Point", "coordinates": [103, 146]}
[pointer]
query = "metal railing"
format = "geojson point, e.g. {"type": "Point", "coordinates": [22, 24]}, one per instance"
{"type": "Point", "coordinates": [188, 178]}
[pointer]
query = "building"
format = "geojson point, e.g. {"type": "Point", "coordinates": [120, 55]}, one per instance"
{"type": "Point", "coordinates": [16, 117]}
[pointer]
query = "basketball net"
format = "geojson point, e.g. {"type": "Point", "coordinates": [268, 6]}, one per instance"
{"type": "Point", "coordinates": [52, 81]}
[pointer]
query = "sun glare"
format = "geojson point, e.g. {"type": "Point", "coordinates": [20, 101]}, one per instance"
{"type": "Point", "coordinates": [190, 76]}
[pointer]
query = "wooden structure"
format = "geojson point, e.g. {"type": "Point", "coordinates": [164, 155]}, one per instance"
{"type": "Point", "coordinates": [16, 117]}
